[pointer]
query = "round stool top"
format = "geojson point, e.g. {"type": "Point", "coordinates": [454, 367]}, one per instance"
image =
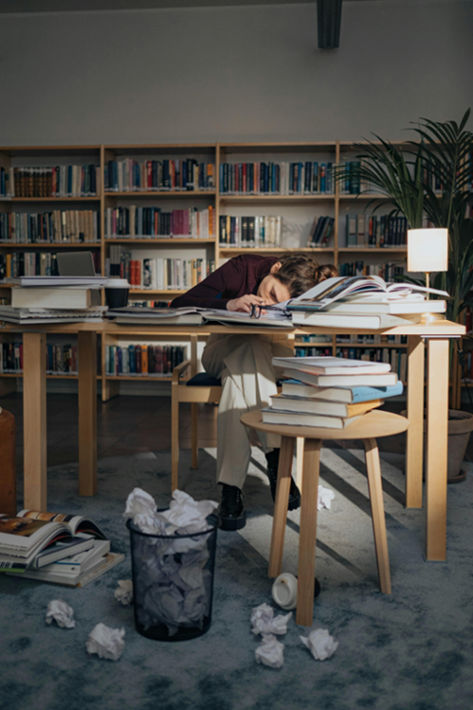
{"type": "Point", "coordinates": [371, 425]}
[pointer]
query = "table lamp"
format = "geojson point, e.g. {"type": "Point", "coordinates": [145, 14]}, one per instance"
{"type": "Point", "coordinates": [427, 250]}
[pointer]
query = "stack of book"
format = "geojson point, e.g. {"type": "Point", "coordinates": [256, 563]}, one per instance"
{"type": "Point", "coordinates": [329, 392]}
{"type": "Point", "coordinates": [54, 547]}
{"type": "Point", "coordinates": [54, 299]}
{"type": "Point", "coordinates": [363, 302]}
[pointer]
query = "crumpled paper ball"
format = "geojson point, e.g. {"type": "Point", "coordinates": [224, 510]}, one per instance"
{"type": "Point", "coordinates": [124, 591]}
{"type": "Point", "coordinates": [320, 644]}
{"type": "Point", "coordinates": [324, 497]}
{"type": "Point", "coordinates": [270, 652]}
{"type": "Point", "coordinates": [263, 620]}
{"type": "Point", "coordinates": [106, 642]}
{"type": "Point", "coordinates": [61, 613]}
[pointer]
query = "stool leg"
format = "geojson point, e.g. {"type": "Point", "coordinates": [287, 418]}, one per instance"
{"type": "Point", "coordinates": [377, 514]}
{"type": "Point", "coordinates": [194, 435]}
{"type": "Point", "coordinates": [308, 532]}
{"type": "Point", "coordinates": [280, 505]}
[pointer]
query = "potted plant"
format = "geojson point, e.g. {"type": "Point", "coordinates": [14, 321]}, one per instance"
{"type": "Point", "coordinates": [430, 178]}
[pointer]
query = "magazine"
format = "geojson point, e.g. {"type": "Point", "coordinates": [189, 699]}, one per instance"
{"type": "Point", "coordinates": [34, 538]}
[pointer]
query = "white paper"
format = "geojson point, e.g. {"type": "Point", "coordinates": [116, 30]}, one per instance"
{"type": "Point", "coordinates": [61, 613]}
{"type": "Point", "coordinates": [106, 642]}
{"type": "Point", "coordinates": [124, 591]}
{"type": "Point", "coordinates": [320, 644]}
{"type": "Point", "coordinates": [324, 498]}
{"type": "Point", "coordinates": [263, 621]}
{"type": "Point", "coordinates": [270, 652]}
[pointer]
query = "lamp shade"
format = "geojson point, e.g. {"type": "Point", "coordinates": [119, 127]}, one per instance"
{"type": "Point", "coordinates": [427, 249]}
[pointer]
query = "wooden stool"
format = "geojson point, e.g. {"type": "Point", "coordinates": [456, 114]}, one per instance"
{"type": "Point", "coordinates": [368, 427]}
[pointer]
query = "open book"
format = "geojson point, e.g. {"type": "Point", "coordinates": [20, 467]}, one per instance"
{"type": "Point", "coordinates": [357, 288]}
{"type": "Point", "coordinates": [35, 539]}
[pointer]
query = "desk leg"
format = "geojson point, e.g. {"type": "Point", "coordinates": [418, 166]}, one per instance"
{"type": "Point", "coordinates": [437, 433]}
{"type": "Point", "coordinates": [415, 413]}
{"type": "Point", "coordinates": [87, 413]}
{"type": "Point", "coordinates": [308, 532]}
{"type": "Point", "coordinates": [34, 421]}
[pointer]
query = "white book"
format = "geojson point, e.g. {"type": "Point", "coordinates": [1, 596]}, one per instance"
{"type": "Point", "coordinates": [329, 319]}
{"type": "Point", "coordinates": [271, 416]}
{"type": "Point", "coordinates": [395, 307]}
{"type": "Point", "coordinates": [311, 405]}
{"type": "Point", "coordinates": [55, 297]}
{"type": "Point", "coordinates": [72, 576]}
{"type": "Point", "coordinates": [381, 380]}
{"type": "Point", "coordinates": [358, 393]}
{"type": "Point", "coordinates": [328, 365]}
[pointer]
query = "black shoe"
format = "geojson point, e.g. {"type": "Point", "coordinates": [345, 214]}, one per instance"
{"type": "Point", "coordinates": [272, 459]}
{"type": "Point", "coordinates": [231, 514]}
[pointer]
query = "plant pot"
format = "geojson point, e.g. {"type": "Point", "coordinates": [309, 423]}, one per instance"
{"type": "Point", "coordinates": [460, 426]}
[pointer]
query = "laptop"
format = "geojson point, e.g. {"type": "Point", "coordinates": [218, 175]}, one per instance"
{"type": "Point", "coordinates": [75, 263]}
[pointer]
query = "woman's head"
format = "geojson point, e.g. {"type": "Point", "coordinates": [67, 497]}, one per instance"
{"type": "Point", "coordinates": [292, 275]}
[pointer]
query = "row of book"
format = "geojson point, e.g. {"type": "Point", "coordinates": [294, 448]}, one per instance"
{"type": "Point", "coordinates": [375, 230]}
{"type": "Point", "coordinates": [140, 359]}
{"type": "Point", "coordinates": [329, 392]}
{"type": "Point", "coordinates": [60, 358]}
{"type": "Point", "coordinates": [56, 181]}
{"type": "Point", "coordinates": [250, 231]}
{"type": "Point", "coordinates": [278, 178]}
{"type": "Point", "coordinates": [49, 227]}
{"type": "Point", "coordinates": [321, 231]}
{"type": "Point", "coordinates": [389, 271]}
{"type": "Point", "coordinates": [352, 183]}
{"type": "Point", "coordinates": [26, 263]}
{"type": "Point", "coordinates": [136, 221]}
{"type": "Point", "coordinates": [54, 547]}
{"type": "Point", "coordinates": [130, 175]}
{"type": "Point", "coordinates": [158, 273]}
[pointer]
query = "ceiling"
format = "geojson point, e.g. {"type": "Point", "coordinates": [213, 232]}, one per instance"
{"type": "Point", "coordinates": [14, 6]}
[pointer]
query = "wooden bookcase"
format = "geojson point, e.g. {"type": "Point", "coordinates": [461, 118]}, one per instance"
{"type": "Point", "coordinates": [194, 204]}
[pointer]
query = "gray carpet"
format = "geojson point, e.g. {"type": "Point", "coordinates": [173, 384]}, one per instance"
{"type": "Point", "coordinates": [408, 651]}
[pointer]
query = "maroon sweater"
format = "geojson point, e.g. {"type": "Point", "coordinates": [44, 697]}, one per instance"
{"type": "Point", "coordinates": [238, 276]}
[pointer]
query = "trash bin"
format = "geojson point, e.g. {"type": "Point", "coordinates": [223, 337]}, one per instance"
{"type": "Point", "coordinates": [173, 582]}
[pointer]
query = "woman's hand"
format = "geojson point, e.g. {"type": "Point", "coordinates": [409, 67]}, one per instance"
{"type": "Point", "coordinates": [244, 303]}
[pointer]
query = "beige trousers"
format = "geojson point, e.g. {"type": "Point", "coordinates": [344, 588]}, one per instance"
{"type": "Point", "coordinates": [243, 362]}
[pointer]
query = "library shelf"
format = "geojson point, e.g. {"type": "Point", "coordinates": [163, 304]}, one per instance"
{"type": "Point", "coordinates": [194, 179]}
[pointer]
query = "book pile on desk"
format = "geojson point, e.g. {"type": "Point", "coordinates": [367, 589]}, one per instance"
{"type": "Point", "coordinates": [364, 302]}
{"type": "Point", "coordinates": [329, 392]}
{"type": "Point", "coordinates": [54, 547]}
{"type": "Point", "coordinates": [54, 299]}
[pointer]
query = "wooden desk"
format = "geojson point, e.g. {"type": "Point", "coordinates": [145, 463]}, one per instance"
{"type": "Point", "coordinates": [434, 337]}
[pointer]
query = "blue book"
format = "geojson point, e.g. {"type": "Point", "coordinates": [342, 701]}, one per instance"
{"type": "Point", "coordinates": [360, 393]}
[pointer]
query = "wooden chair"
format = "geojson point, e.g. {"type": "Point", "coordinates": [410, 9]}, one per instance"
{"type": "Point", "coordinates": [188, 385]}
{"type": "Point", "coordinates": [368, 428]}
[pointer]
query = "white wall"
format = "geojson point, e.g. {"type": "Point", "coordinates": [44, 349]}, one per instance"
{"type": "Point", "coordinates": [237, 73]}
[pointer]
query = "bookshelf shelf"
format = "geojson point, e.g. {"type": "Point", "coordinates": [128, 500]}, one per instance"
{"type": "Point", "coordinates": [293, 184]}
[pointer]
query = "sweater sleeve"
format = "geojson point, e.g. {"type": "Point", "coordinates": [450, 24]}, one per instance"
{"type": "Point", "coordinates": [217, 289]}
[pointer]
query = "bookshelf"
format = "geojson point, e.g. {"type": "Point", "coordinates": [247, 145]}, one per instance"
{"type": "Point", "coordinates": [165, 215]}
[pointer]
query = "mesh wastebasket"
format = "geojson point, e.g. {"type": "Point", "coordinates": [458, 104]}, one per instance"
{"type": "Point", "coordinates": [173, 582]}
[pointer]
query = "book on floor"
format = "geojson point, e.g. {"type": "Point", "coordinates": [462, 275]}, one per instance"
{"type": "Point", "coordinates": [34, 539]}
{"type": "Point", "coordinates": [77, 570]}
{"type": "Point", "coordinates": [328, 365]}
{"type": "Point", "coordinates": [60, 547]}
{"type": "Point", "coordinates": [377, 380]}
{"type": "Point", "coordinates": [272, 416]}
{"type": "Point", "coordinates": [359, 393]}
{"type": "Point", "coordinates": [320, 406]}
{"type": "Point", "coordinates": [55, 297]}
